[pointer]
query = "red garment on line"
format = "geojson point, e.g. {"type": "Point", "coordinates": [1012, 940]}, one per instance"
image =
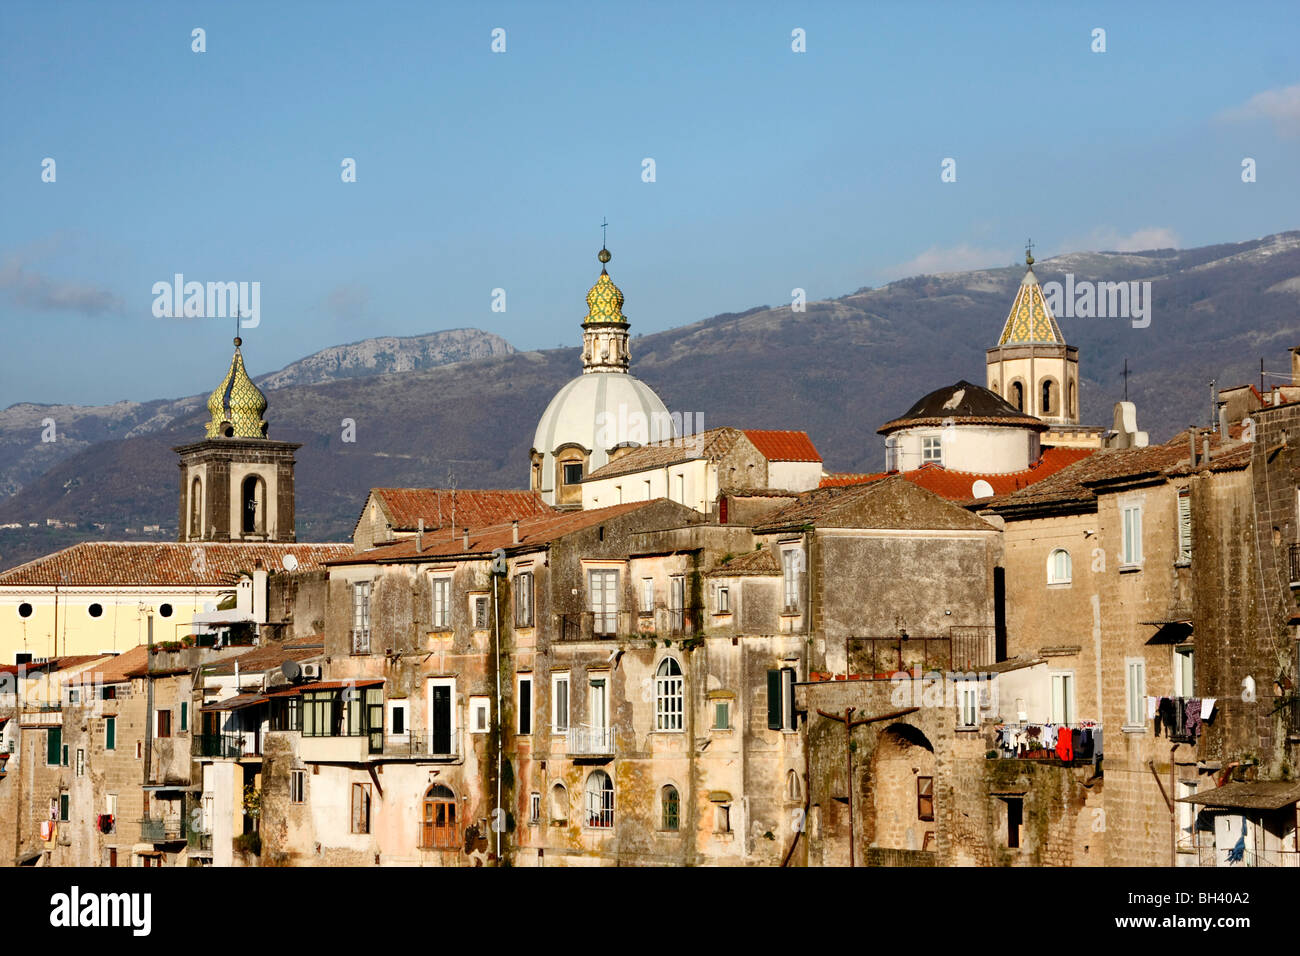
{"type": "Point", "coordinates": [1065, 743]}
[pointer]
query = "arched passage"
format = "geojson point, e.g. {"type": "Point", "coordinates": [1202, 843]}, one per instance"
{"type": "Point", "coordinates": [902, 784]}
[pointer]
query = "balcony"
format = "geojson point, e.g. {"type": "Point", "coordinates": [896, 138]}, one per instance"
{"type": "Point", "coordinates": [596, 625]}
{"type": "Point", "coordinates": [1022, 742]}
{"type": "Point", "coordinates": [590, 742]}
{"type": "Point", "coordinates": [417, 747]}
{"type": "Point", "coordinates": [162, 829]}
{"type": "Point", "coordinates": [1293, 554]}
{"type": "Point", "coordinates": [235, 745]}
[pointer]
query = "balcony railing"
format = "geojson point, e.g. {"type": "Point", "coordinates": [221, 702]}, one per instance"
{"type": "Point", "coordinates": [199, 840]}
{"type": "Point", "coordinates": [361, 640]}
{"type": "Point", "coordinates": [416, 746]}
{"type": "Point", "coordinates": [162, 829]}
{"type": "Point", "coordinates": [439, 838]}
{"type": "Point", "coordinates": [1293, 553]}
{"type": "Point", "coordinates": [591, 741]}
{"type": "Point", "coordinates": [1029, 744]}
{"type": "Point", "coordinates": [234, 744]}
{"type": "Point", "coordinates": [596, 625]}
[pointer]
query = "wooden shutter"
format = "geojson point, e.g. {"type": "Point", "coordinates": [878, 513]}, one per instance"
{"type": "Point", "coordinates": [53, 746]}
{"type": "Point", "coordinates": [774, 700]}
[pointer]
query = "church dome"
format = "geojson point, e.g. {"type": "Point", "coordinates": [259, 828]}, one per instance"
{"type": "Point", "coordinates": [236, 407]}
{"type": "Point", "coordinates": [962, 404]}
{"type": "Point", "coordinates": [605, 300]}
{"type": "Point", "coordinates": [599, 411]}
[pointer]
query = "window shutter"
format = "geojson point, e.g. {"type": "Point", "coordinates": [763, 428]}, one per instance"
{"type": "Point", "coordinates": [1184, 527]}
{"type": "Point", "coordinates": [110, 734]}
{"type": "Point", "coordinates": [185, 716]}
{"type": "Point", "coordinates": [53, 746]}
{"type": "Point", "coordinates": [774, 700]}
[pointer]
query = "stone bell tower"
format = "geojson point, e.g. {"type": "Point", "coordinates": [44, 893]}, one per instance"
{"type": "Point", "coordinates": [236, 484]}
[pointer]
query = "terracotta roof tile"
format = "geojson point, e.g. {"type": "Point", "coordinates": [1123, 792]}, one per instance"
{"type": "Point", "coordinates": [473, 508]}
{"type": "Point", "coordinates": [712, 444]}
{"type": "Point", "coordinates": [783, 445]}
{"type": "Point", "coordinates": [957, 485]}
{"type": "Point", "coordinates": [123, 563]}
{"type": "Point", "coordinates": [753, 563]}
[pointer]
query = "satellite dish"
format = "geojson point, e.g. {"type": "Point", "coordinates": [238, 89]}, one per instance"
{"type": "Point", "coordinates": [290, 670]}
{"type": "Point", "coordinates": [981, 489]}
{"type": "Point", "coordinates": [290, 563]}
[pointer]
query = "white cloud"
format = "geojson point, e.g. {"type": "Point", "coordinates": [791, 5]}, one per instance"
{"type": "Point", "coordinates": [1280, 106]}
{"type": "Point", "coordinates": [347, 301]}
{"type": "Point", "coordinates": [37, 291]}
{"type": "Point", "coordinates": [960, 258]}
{"type": "Point", "coordinates": [1109, 239]}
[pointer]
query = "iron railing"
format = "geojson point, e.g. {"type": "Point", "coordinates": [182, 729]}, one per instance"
{"type": "Point", "coordinates": [590, 741]}
{"type": "Point", "coordinates": [596, 625]}
{"type": "Point", "coordinates": [229, 744]}
{"type": "Point", "coordinates": [162, 829]}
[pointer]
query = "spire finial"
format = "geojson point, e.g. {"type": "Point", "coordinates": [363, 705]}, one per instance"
{"type": "Point", "coordinates": [1029, 252]}
{"type": "Point", "coordinates": [603, 255]}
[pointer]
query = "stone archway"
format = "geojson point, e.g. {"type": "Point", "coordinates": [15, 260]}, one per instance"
{"type": "Point", "coordinates": [902, 789]}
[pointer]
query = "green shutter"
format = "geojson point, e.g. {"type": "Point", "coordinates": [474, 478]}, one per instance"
{"type": "Point", "coordinates": [110, 733]}
{"type": "Point", "coordinates": [63, 806]}
{"type": "Point", "coordinates": [53, 746]}
{"type": "Point", "coordinates": [774, 700]}
{"type": "Point", "coordinates": [185, 715]}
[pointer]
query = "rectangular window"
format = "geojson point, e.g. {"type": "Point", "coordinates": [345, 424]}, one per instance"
{"type": "Point", "coordinates": [53, 746]}
{"type": "Point", "coordinates": [1063, 698]}
{"type": "Point", "coordinates": [64, 761]}
{"type": "Point", "coordinates": [297, 786]}
{"type": "Point", "coordinates": [602, 587]}
{"type": "Point", "coordinates": [722, 715]}
{"type": "Point", "coordinates": [481, 612]}
{"type": "Point", "coordinates": [1135, 717]}
{"type": "Point", "coordinates": [1015, 816]}
{"type": "Point", "coordinates": [559, 703]}
{"type": "Point", "coordinates": [925, 799]}
{"type": "Point", "coordinates": [572, 472]}
{"type": "Point", "coordinates": [185, 716]}
{"type": "Point", "coordinates": [81, 762]}
{"type": "Point", "coordinates": [361, 617]}
{"type": "Point", "coordinates": [442, 716]}
{"type": "Point", "coordinates": [724, 600]}
{"type": "Point", "coordinates": [441, 603]}
{"type": "Point", "coordinates": [780, 699]}
{"type": "Point", "coordinates": [791, 565]}
{"type": "Point", "coordinates": [598, 703]}
{"type": "Point", "coordinates": [110, 733]}
{"type": "Point", "coordinates": [1132, 550]}
{"type": "Point", "coordinates": [968, 700]}
{"type": "Point", "coordinates": [677, 603]}
{"type": "Point", "coordinates": [162, 723]}
{"type": "Point", "coordinates": [361, 808]}
{"type": "Point", "coordinates": [534, 807]}
{"type": "Point", "coordinates": [524, 599]}
{"type": "Point", "coordinates": [722, 818]}
{"type": "Point", "coordinates": [1186, 817]}
{"type": "Point", "coordinates": [480, 709]}
{"type": "Point", "coordinates": [397, 718]}
{"type": "Point", "coordinates": [64, 808]}
{"type": "Point", "coordinates": [647, 595]}
{"type": "Point", "coordinates": [1185, 526]}
{"type": "Point", "coordinates": [1184, 672]}
{"type": "Point", "coordinates": [679, 486]}
{"type": "Point", "coordinates": [525, 704]}
{"type": "Point", "coordinates": [932, 449]}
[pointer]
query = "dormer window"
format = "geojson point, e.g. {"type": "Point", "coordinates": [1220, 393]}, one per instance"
{"type": "Point", "coordinates": [572, 472]}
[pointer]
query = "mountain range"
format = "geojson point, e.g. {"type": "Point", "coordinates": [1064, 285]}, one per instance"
{"type": "Point", "coordinates": [461, 406]}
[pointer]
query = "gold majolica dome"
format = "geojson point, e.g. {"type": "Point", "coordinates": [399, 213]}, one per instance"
{"type": "Point", "coordinates": [605, 300]}
{"type": "Point", "coordinates": [237, 405]}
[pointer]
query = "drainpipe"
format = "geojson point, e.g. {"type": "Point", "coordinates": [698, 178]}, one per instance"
{"type": "Point", "coordinates": [496, 642]}
{"type": "Point", "coordinates": [148, 714]}
{"type": "Point", "coordinates": [1173, 807]}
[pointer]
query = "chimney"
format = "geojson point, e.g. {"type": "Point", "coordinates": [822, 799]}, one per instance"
{"type": "Point", "coordinates": [465, 537]}
{"type": "Point", "coordinates": [1191, 439]}
{"type": "Point", "coordinates": [1223, 422]}
{"type": "Point", "coordinates": [514, 526]}
{"type": "Point", "coordinates": [1205, 446]}
{"type": "Point", "coordinates": [1295, 365]}
{"type": "Point", "coordinates": [419, 537]}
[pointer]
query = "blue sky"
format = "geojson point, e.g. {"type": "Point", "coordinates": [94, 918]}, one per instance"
{"type": "Point", "coordinates": [478, 171]}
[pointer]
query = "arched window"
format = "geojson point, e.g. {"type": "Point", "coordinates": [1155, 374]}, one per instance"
{"type": "Point", "coordinates": [792, 789]}
{"type": "Point", "coordinates": [671, 807]}
{"type": "Point", "coordinates": [1058, 567]}
{"type": "Point", "coordinates": [1018, 395]}
{"type": "Point", "coordinates": [668, 695]}
{"type": "Point", "coordinates": [1072, 409]}
{"type": "Point", "coordinates": [600, 800]}
{"type": "Point", "coordinates": [196, 509]}
{"type": "Point", "coordinates": [254, 505]}
{"type": "Point", "coordinates": [438, 828]}
{"type": "Point", "coordinates": [559, 805]}
{"type": "Point", "coordinates": [1049, 398]}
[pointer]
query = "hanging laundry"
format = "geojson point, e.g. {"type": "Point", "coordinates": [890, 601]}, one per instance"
{"type": "Point", "coordinates": [1192, 718]}
{"type": "Point", "coordinates": [1207, 707]}
{"type": "Point", "coordinates": [1065, 744]}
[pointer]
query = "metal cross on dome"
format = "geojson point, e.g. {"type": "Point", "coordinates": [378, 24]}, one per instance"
{"type": "Point", "coordinates": [603, 223]}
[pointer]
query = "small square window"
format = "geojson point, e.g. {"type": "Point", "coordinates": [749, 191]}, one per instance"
{"type": "Point", "coordinates": [479, 710]}
{"type": "Point", "coordinates": [481, 612]}
{"type": "Point", "coordinates": [572, 472]}
{"type": "Point", "coordinates": [722, 715]}
{"type": "Point", "coordinates": [932, 449]}
{"type": "Point", "coordinates": [722, 818]}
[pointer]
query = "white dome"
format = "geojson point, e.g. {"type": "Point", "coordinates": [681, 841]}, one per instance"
{"type": "Point", "coordinates": [599, 411]}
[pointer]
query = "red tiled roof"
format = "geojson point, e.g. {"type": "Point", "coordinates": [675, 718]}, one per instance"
{"type": "Point", "coordinates": [116, 670]}
{"type": "Point", "coordinates": [173, 563]}
{"type": "Point", "coordinates": [713, 444]}
{"type": "Point", "coordinates": [472, 508]}
{"type": "Point", "coordinates": [956, 485]}
{"type": "Point", "coordinates": [783, 445]}
{"type": "Point", "coordinates": [53, 665]}
{"type": "Point", "coordinates": [483, 541]}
